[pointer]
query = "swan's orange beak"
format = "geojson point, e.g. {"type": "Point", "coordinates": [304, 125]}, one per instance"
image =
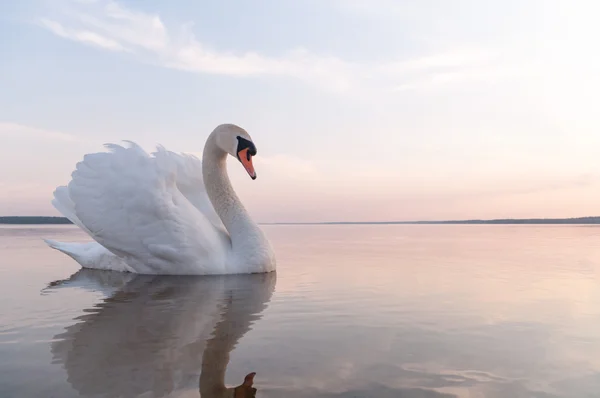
{"type": "Point", "coordinates": [246, 158]}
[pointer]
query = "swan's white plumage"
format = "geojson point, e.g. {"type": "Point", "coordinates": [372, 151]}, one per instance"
{"type": "Point", "coordinates": [163, 213]}
{"type": "Point", "coordinates": [188, 178]}
{"type": "Point", "coordinates": [63, 203]}
{"type": "Point", "coordinates": [130, 203]}
{"type": "Point", "coordinates": [91, 255]}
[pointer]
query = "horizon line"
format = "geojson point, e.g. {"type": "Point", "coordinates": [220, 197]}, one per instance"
{"type": "Point", "coordinates": [572, 220]}
{"type": "Point", "coordinates": [547, 220]}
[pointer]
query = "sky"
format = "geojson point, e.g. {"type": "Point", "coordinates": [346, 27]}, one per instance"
{"type": "Point", "coordinates": [361, 110]}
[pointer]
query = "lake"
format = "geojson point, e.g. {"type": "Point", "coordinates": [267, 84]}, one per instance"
{"type": "Point", "coordinates": [413, 311]}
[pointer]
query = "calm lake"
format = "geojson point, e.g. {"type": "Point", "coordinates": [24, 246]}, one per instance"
{"type": "Point", "coordinates": [352, 311]}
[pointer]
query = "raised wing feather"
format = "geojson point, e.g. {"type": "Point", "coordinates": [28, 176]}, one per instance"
{"type": "Point", "coordinates": [131, 205]}
{"type": "Point", "coordinates": [189, 181]}
{"type": "Point", "coordinates": [63, 203]}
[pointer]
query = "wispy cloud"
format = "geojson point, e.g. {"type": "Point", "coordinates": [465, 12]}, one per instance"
{"type": "Point", "coordinates": [8, 129]}
{"type": "Point", "coordinates": [109, 25]}
{"type": "Point", "coordinates": [83, 36]}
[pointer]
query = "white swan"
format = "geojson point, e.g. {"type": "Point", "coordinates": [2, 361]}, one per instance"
{"type": "Point", "coordinates": [166, 213]}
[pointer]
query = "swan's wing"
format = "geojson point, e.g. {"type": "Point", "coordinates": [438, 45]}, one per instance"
{"type": "Point", "coordinates": [189, 181]}
{"type": "Point", "coordinates": [63, 203]}
{"type": "Point", "coordinates": [132, 206]}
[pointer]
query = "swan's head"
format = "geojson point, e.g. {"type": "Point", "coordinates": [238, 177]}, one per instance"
{"type": "Point", "coordinates": [244, 390]}
{"type": "Point", "coordinates": [237, 142]}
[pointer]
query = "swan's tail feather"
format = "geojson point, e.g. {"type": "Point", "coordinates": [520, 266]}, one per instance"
{"type": "Point", "coordinates": [90, 255]}
{"type": "Point", "coordinates": [67, 248]}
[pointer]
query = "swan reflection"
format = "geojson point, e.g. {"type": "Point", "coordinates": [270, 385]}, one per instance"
{"type": "Point", "coordinates": [160, 336]}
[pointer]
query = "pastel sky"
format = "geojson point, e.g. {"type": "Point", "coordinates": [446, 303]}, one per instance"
{"type": "Point", "coordinates": [360, 109]}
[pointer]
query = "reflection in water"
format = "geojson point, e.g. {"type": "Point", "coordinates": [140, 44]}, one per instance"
{"type": "Point", "coordinates": [159, 336]}
{"type": "Point", "coordinates": [170, 336]}
{"type": "Point", "coordinates": [360, 311]}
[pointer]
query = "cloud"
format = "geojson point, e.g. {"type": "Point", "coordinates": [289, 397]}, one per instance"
{"type": "Point", "coordinates": [19, 130]}
{"type": "Point", "coordinates": [113, 27]}
{"type": "Point", "coordinates": [82, 36]}
{"type": "Point", "coordinates": [109, 25]}
{"type": "Point", "coordinates": [449, 67]}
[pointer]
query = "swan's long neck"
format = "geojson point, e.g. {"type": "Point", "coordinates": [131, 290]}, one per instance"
{"type": "Point", "coordinates": [228, 206]}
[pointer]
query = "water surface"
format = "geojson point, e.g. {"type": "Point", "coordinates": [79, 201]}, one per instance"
{"type": "Point", "coordinates": [353, 311]}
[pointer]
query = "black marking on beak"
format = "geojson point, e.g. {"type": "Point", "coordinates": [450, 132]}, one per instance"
{"type": "Point", "coordinates": [243, 144]}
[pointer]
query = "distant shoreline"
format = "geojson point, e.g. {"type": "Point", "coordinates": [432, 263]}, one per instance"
{"type": "Point", "coordinates": [42, 220]}
{"type": "Point", "coordinates": [35, 220]}
{"type": "Point", "coordinates": [507, 221]}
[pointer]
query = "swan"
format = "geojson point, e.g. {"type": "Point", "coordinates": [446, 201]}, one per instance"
{"type": "Point", "coordinates": [165, 213]}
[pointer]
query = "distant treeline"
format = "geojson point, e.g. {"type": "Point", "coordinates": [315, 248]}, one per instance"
{"type": "Point", "coordinates": [578, 220]}
{"type": "Point", "coordinates": [34, 220]}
